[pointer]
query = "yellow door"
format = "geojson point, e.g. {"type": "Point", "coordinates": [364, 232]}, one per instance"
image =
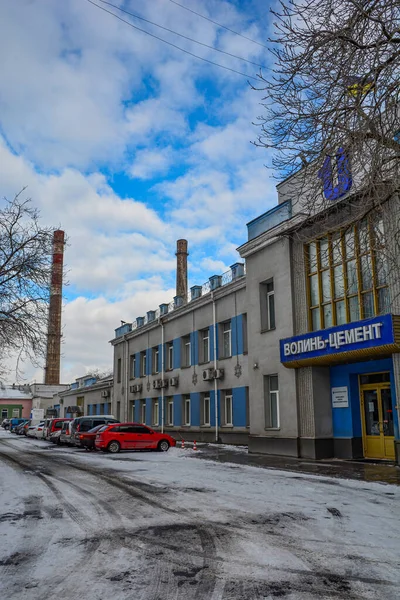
{"type": "Point", "coordinates": [377, 417]}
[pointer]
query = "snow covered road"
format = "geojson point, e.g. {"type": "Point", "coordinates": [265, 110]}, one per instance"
{"type": "Point", "coordinates": [150, 526]}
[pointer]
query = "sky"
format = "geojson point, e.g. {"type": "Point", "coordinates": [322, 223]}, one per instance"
{"type": "Point", "coordinates": [129, 144]}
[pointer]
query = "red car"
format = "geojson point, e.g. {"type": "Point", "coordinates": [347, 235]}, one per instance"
{"type": "Point", "coordinates": [131, 436]}
{"type": "Point", "coordinates": [86, 439]}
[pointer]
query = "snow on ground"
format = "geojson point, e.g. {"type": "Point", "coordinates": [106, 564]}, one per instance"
{"type": "Point", "coordinates": [150, 525]}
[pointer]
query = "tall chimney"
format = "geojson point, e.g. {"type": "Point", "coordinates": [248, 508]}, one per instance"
{"type": "Point", "coordinates": [52, 369]}
{"type": "Point", "coordinates": [181, 269]}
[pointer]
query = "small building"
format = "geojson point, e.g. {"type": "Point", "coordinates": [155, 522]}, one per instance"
{"type": "Point", "coordinates": [15, 402]}
{"type": "Point", "coordinates": [45, 396]}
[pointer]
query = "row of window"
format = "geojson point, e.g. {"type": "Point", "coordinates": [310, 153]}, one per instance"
{"type": "Point", "coordinates": [271, 399]}
{"type": "Point", "coordinates": [186, 412]}
{"type": "Point", "coordinates": [186, 351]}
{"type": "Point", "coordinates": [98, 409]}
{"type": "Point", "coordinates": [13, 413]}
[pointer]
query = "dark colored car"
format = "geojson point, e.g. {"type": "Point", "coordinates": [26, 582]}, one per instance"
{"type": "Point", "coordinates": [132, 436]}
{"type": "Point", "coordinates": [87, 438]}
{"type": "Point", "coordinates": [14, 424]}
{"type": "Point", "coordinates": [82, 424]}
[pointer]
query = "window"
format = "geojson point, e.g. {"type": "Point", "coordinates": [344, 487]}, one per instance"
{"type": "Point", "coordinates": [155, 416]}
{"type": "Point", "coordinates": [226, 331]}
{"type": "Point", "coordinates": [204, 346]}
{"type": "Point", "coordinates": [227, 408]}
{"type": "Point", "coordinates": [102, 409]}
{"type": "Point", "coordinates": [140, 429]}
{"type": "Point", "coordinates": [186, 362]}
{"type": "Point", "coordinates": [143, 366]}
{"type": "Point", "coordinates": [347, 275]}
{"type": "Point", "coordinates": [119, 370]}
{"type": "Point", "coordinates": [186, 410]}
{"type": "Point", "coordinates": [267, 304]}
{"type": "Point", "coordinates": [247, 407]}
{"type": "Point", "coordinates": [271, 392]}
{"type": "Point", "coordinates": [143, 411]}
{"type": "Point", "coordinates": [206, 411]}
{"type": "Point", "coordinates": [170, 412]}
{"type": "Point", "coordinates": [15, 413]}
{"type": "Point", "coordinates": [244, 333]}
{"type": "Point", "coordinates": [156, 354]}
{"type": "Point", "coordinates": [4, 413]}
{"type": "Point", "coordinates": [132, 366]}
{"type": "Point", "coordinates": [170, 356]}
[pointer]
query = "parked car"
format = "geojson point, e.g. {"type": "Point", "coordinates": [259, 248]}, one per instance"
{"type": "Point", "coordinates": [132, 436]}
{"type": "Point", "coordinates": [66, 434]}
{"type": "Point", "coordinates": [14, 424]}
{"type": "Point", "coordinates": [6, 423]}
{"type": "Point", "coordinates": [39, 430]}
{"type": "Point", "coordinates": [81, 424]}
{"type": "Point", "coordinates": [52, 425]}
{"type": "Point", "coordinates": [55, 436]}
{"type": "Point", "coordinates": [24, 428]}
{"type": "Point", "coordinates": [31, 431]}
{"type": "Point", "coordinates": [87, 438]}
{"type": "Point", "coordinates": [19, 430]}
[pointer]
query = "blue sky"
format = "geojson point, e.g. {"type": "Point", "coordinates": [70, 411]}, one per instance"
{"type": "Point", "coordinates": [129, 144]}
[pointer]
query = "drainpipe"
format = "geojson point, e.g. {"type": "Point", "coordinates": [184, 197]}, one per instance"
{"type": "Point", "coordinates": [162, 373]}
{"type": "Point", "coordinates": [126, 379]}
{"type": "Point", "coordinates": [215, 366]}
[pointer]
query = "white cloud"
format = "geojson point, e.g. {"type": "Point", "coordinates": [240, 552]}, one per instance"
{"type": "Point", "coordinates": [84, 94]}
{"type": "Point", "coordinates": [151, 163]}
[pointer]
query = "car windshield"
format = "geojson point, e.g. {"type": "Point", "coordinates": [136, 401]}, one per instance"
{"type": "Point", "coordinates": [101, 428]}
{"type": "Point", "coordinates": [97, 428]}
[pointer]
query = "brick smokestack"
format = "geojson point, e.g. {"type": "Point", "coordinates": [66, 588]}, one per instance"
{"type": "Point", "coordinates": [181, 269]}
{"type": "Point", "coordinates": [52, 369]}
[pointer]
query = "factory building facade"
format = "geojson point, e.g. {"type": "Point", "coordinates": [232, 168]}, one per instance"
{"type": "Point", "coordinates": [295, 353]}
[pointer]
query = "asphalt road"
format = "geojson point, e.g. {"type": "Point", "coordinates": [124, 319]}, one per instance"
{"type": "Point", "coordinates": [146, 526]}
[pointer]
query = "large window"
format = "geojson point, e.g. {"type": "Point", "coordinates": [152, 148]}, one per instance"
{"type": "Point", "coordinates": [170, 412]}
{"type": "Point", "coordinates": [205, 410]}
{"type": "Point", "coordinates": [156, 355]}
{"type": "Point", "coordinates": [170, 356]}
{"type": "Point", "coordinates": [226, 347]}
{"type": "Point", "coordinates": [143, 367]}
{"type": "Point", "coordinates": [155, 415]}
{"type": "Point", "coordinates": [132, 366]}
{"type": "Point", "coordinates": [267, 305]}
{"type": "Point", "coordinates": [119, 370]}
{"type": "Point", "coordinates": [186, 362]}
{"type": "Point", "coordinates": [271, 391]}
{"type": "Point", "coordinates": [186, 410]}
{"type": "Point", "coordinates": [347, 275]}
{"type": "Point", "coordinates": [143, 411]}
{"type": "Point", "coordinates": [204, 346]}
{"type": "Point", "coordinates": [227, 417]}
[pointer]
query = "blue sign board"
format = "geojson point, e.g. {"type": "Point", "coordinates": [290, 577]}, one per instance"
{"type": "Point", "coordinates": [359, 335]}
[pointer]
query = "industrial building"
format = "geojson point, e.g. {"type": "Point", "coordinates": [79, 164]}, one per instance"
{"type": "Point", "coordinates": [295, 353]}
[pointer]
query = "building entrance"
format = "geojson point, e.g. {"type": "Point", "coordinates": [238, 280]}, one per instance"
{"type": "Point", "coordinates": [377, 416]}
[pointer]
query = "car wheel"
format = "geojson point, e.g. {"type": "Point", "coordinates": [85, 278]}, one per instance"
{"type": "Point", "coordinates": [163, 446]}
{"type": "Point", "coordinates": [114, 447]}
